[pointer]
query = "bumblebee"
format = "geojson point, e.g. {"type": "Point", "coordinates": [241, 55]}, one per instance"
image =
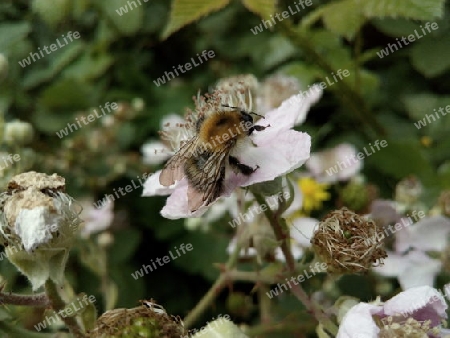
{"type": "Point", "coordinates": [203, 158]}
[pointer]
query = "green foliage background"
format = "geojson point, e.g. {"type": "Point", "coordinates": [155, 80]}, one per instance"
{"type": "Point", "coordinates": [118, 58]}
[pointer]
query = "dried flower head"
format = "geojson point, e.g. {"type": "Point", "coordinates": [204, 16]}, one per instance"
{"type": "Point", "coordinates": [348, 243]}
{"type": "Point", "coordinates": [38, 222]}
{"type": "Point", "coordinates": [149, 320]}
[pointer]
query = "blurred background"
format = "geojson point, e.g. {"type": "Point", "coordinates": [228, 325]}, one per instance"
{"type": "Point", "coordinates": [124, 47]}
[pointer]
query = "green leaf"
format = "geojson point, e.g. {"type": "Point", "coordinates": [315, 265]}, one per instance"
{"type": "Point", "coordinates": [401, 159]}
{"type": "Point", "coordinates": [67, 94]}
{"type": "Point", "coordinates": [61, 59]}
{"type": "Point", "coordinates": [127, 19]}
{"type": "Point", "coordinates": [185, 12]}
{"type": "Point", "coordinates": [430, 56]}
{"type": "Point", "coordinates": [412, 9]}
{"type": "Point", "coordinates": [263, 8]}
{"type": "Point", "coordinates": [343, 18]}
{"type": "Point", "coordinates": [11, 33]}
{"type": "Point", "coordinates": [89, 66]}
{"type": "Point", "coordinates": [52, 11]}
{"type": "Point", "coordinates": [395, 27]}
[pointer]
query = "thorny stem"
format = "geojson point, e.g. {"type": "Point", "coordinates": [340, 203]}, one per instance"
{"type": "Point", "coordinates": [58, 304]}
{"type": "Point", "coordinates": [212, 293]}
{"type": "Point", "coordinates": [297, 290]}
{"type": "Point", "coordinates": [38, 300]}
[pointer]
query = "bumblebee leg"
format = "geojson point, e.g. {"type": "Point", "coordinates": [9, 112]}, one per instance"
{"type": "Point", "coordinates": [257, 128]}
{"type": "Point", "coordinates": [242, 168]}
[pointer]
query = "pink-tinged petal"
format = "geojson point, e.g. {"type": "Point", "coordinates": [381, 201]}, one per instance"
{"type": "Point", "coordinates": [152, 187]}
{"type": "Point", "coordinates": [274, 156]}
{"type": "Point", "coordinates": [302, 230]}
{"type": "Point", "coordinates": [96, 220]}
{"type": "Point", "coordinates": [336, 164]}
{"type": "Point", "coordinates": [412, 270]}
{"type": "Point", "coordinates": [155, 152]}
{"type": "Point", "coordinates": [358, 322]}
{"type": "Point", "coordinates": [422, 303]}
{"type": "Point", "coordinates": [177, 204]}
{"type": "Point", "coordinates": [428, 234]}
{"type": "Point", "coordinates": [384, 212]}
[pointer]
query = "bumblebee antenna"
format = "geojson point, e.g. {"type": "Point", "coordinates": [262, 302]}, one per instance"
{"type": "Point", "coordinates": [248, 112]}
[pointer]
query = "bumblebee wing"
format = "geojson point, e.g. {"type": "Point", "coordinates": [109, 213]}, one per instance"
{"type": "Point", "coordinates": [174, 168]}
{"type": "Point", "coordinates": [210, 179]}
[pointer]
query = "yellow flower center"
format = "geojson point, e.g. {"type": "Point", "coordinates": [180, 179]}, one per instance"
{"type": "Point", "coordinates": [314, 193]}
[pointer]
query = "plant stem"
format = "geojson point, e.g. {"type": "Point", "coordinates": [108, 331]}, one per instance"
{"type": "Point", "coordinates": [213, 291]}
{"type": "Point", "coordinates": [58, 304]}
{"type": "Point", "coordinates": [296, 289]}
{"type": "Point", "coordinates": [38, 300]}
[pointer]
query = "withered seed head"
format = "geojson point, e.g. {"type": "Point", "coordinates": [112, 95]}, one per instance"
{"type": "Point", "coordinates": [348, 243]}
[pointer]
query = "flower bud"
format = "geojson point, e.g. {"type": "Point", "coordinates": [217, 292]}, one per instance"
{"type": "Point", "coordinates": [408, 191]}
{"type": "Point", "coordinates": [348, 243]}
{"type": "Point", "coordinates": [355, 195]}
{"type": "Point", "coordinates": [37, 226]}
{"type": "Point", "coordinates": [149, 320]}
{"type": "Point", "coordinates": [18, 132]}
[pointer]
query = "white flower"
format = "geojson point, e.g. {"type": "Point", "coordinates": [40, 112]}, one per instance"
{"type": "Point", "coordinates": [410, 263]}
{"type": "Point", "coordinates": [336, 164]}
{"type": "Point", "coordinates": [417, 305]}
{"type": "Point", "coordinates": [276, 150]}
{"type": "Point", "coordinates": [96, 219]}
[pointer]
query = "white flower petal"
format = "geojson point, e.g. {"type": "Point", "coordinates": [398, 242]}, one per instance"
{"type": "Point", "coordinates": [177, 203]}
{"type": "Point", "coordinates": [155, 152]}
{"type": "Point", "coordinates": [275, 155]}
{"type": "Point", "coordinates": [422, 303]}
{"type": "Point", "coordinates": [95, 219]}
{"type": "Point", "coordinates": [336, 164]}
{"type": "Point", "coordinates": [152, 187]}
{"type": "Point", "coordinates": [430, 233]}
{"type": "Point", "coordinates": [412, 270]}
{"type": "Point", "coordinates": [302, 230]}
{"type": "Point", "coordinates": [358, 322]}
